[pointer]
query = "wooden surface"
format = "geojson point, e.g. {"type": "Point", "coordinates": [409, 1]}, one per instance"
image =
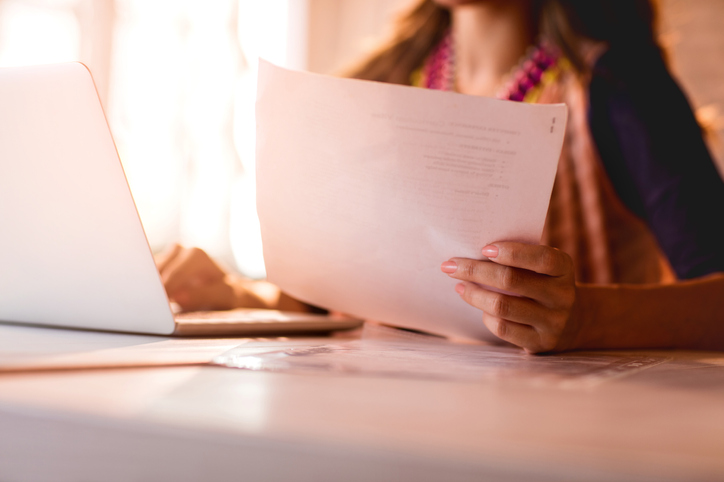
{"type": "Point", "coordinates": [211, 423]}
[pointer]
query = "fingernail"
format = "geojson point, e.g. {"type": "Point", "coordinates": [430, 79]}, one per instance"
{"type": "Point", "coordinates": [460, 288]}
{"type": "Point", "coordinates": [449, 267]}
{"type": "Point", "coordinates": [490, 251]}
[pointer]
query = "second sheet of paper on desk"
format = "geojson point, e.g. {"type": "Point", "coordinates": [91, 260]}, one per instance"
{"type": "Point", "coordinates": [364, 189]}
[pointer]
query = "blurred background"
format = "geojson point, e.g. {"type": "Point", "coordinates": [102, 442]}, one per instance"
{"type": "Point", "coordinates": [177, 80]}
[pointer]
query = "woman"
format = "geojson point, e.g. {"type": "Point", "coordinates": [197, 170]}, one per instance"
{"type": "Point", "coordinates": [630, 256]}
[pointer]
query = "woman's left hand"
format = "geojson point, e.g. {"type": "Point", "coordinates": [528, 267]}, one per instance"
{"type": "Point", "coordinates": [541, 317]}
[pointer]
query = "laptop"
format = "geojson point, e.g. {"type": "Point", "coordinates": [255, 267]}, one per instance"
{"type": "Point", "coordinates": [73, 252]}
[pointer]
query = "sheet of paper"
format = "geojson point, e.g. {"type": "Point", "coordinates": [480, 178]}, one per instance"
{"type": "Point", "coordinates": [415, 356]}
{"type": "Point", "coordinates": [25, 348]}
{"type": "Point", "coordinates": [364, 189]}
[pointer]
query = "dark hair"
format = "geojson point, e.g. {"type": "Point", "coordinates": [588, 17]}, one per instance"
{"type": "Point", "coordinates": [627, 25]}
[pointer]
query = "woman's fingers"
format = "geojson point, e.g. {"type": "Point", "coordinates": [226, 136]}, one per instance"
{"type": "Point", "coordinates": [512, 280]}
{"type": "Point", "coordinates": [166, 256]}
{"type": "Point", "coordinates": [500, 305]}
{"type": "Point", "coordinates": [213, 296]}
{"type": "Point", "coordinates": [512, 332]}
{"type": "Point", "coordinates": [190, 269]}
{"type": "Point", "coordinates": [194, 281]}
{"type": "Point", "coordinates": [538, 292]}
{"type": "Point", "coordinates": [516, 320]}
{"type": "Point", "coordinates": [537, 258]}
{"type": "Point", "coordinates": [541, 273]}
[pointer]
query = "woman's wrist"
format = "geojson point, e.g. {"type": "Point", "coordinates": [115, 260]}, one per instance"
{"type": "Point", "coordinates": [585, 330]}
{"type": "Point", "coordinates": [252, 293]}
{"type": "Point", "coordinates": [262, 295]}
{"type": "Point", "coordinates": [602, 318]}
{"type": "Point", "coordinates": [575, 334]}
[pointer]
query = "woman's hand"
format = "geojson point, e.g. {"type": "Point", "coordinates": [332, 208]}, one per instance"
{"type": "Point", "coordinates": [542, 316]}
{"type": "Point", "coordinates": [194, 281]}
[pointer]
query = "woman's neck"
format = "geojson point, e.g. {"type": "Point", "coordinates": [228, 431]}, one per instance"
{"type": "Point", "coordinates": [490, 38]}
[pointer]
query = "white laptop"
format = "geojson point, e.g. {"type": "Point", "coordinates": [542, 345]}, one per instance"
{"type": "Point", "coordinates": [73, 252]}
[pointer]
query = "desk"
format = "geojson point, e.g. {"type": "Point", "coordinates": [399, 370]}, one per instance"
{"type": "Point", "coordinates": [212, 423]}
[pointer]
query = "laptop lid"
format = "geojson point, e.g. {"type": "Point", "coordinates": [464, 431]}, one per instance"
{"type": "Point", "coordinates": [72, 249]}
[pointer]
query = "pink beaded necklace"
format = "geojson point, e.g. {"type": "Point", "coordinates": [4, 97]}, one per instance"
{"type": "Point", "coordinates": [539, 67]}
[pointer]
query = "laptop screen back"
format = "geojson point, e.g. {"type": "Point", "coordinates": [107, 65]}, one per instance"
{"type": "Point", "coordinates": [72, 249]}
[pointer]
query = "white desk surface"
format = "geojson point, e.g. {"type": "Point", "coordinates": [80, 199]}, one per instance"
{"type": "Point", "coordinates": [213, 423]}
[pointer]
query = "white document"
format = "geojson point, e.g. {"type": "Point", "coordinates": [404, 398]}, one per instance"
{"type": "Point", "coordinates": [364, 189]}
{"type": "Point", "coordinates": [24, 348]}
{"type": "Point", "coordinates": [380, 352]}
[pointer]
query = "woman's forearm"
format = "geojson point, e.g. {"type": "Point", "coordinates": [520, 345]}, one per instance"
{"type": "Point", "coordinates": [688, 314]}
